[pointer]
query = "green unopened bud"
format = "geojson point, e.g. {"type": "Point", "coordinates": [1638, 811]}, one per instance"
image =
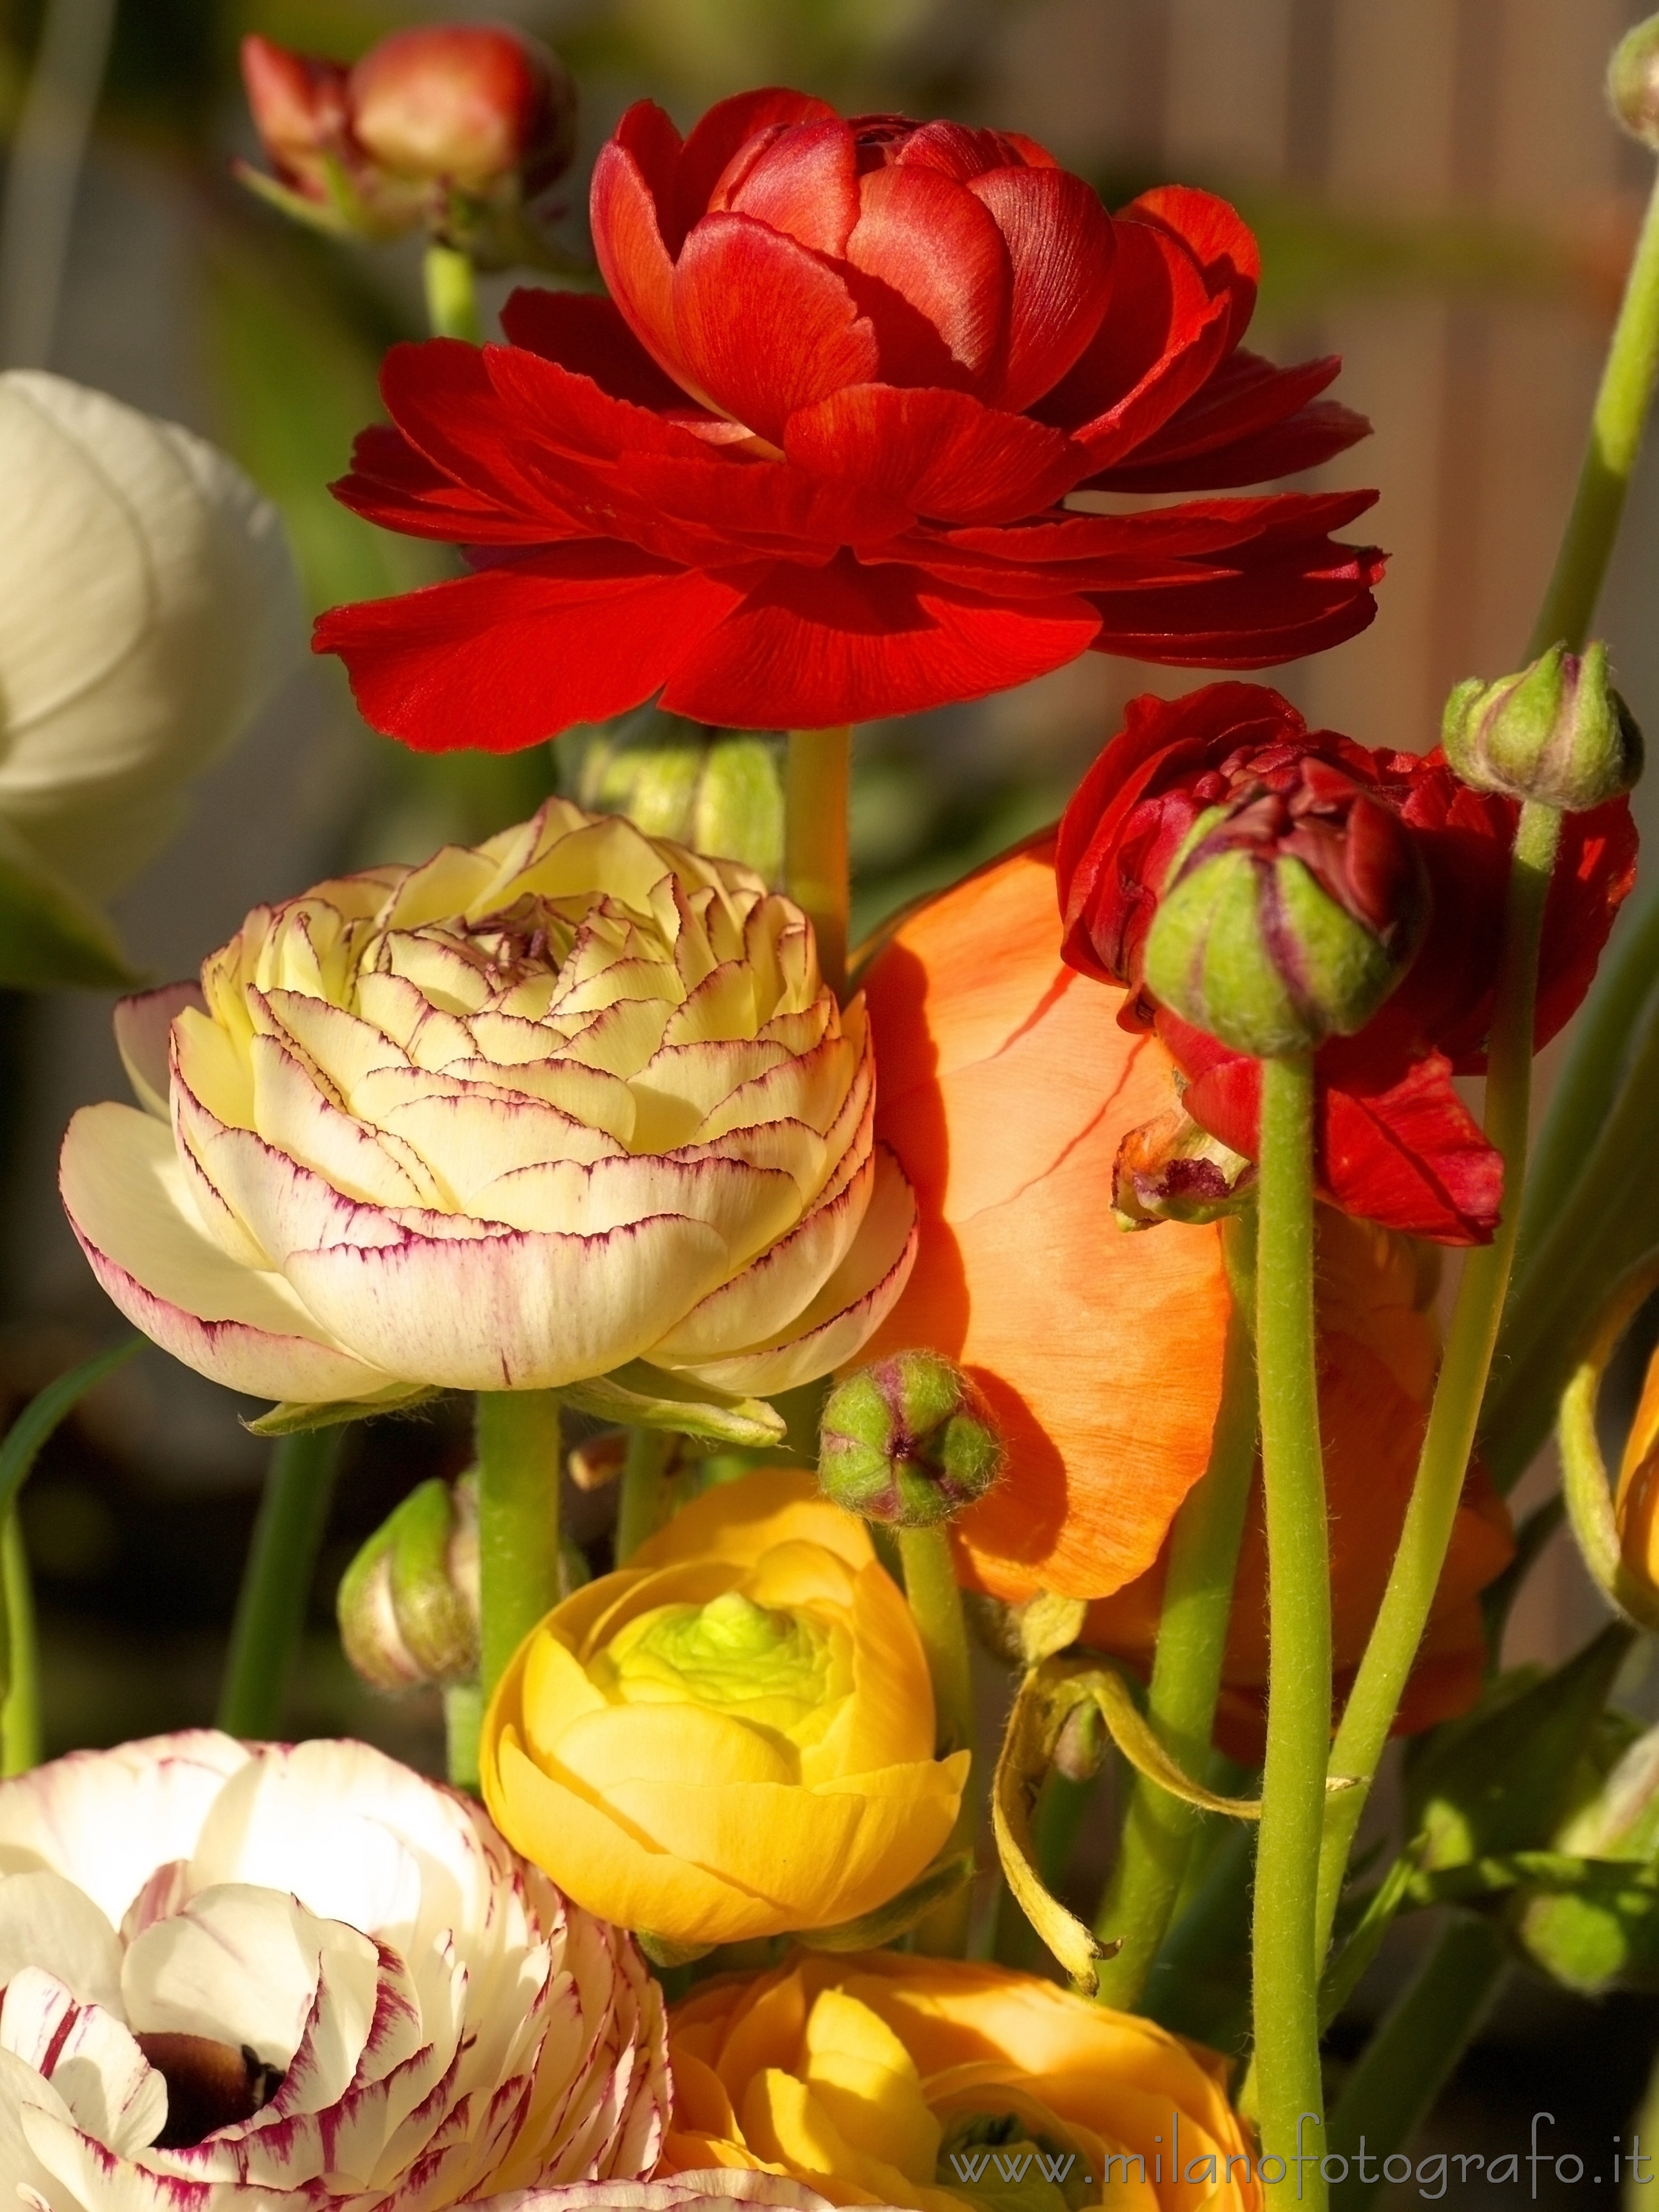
{"type": "Point", "coordinates": [1080, 1747]}
{"type": "Point", "coordinates": [1633, 81]}
{"type": "Point", "coordinates": [1557, 733]}
{"type": "Point", "coordinates": [1289, 915]}
{"type": "Point", "coordinates": [407, 1604]}
{"type": "Point", "coordinates": [909, 1441]}
{"type": "Point", "coordinates": [719, 791]}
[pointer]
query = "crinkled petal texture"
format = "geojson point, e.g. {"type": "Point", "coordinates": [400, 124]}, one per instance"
{"type": "Point", "coordinates": [567, 1101]}
{"type": "Point", "coordinates": [1008, 1085]}
{"type": "Point", "coordinates": [806, 465]}
{"type": "Point", "coordinates": [148, 609]}
{"type": "Point", "coordinates": [302, 1976]}
{"type": "Point", "coordinates": [733, 1737]}
{"type": "Point", "coordinates": [1394, 1143]}
{"type": "Point", "coordinates": [880, 2078]}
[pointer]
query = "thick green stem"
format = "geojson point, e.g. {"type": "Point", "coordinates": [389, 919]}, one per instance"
{"type": "Point", "coordinates": [1450, 1438]}
{"type": "Point", "coordinates": [1588, 1086]}
{"type": "Point", "coordinates": [20, 1714]}
{"type": "Point", "coordinates": [930, 1584]}
{"type": "Point", "coordinates": [818, 777]}
{"type": "Point", "coordinates": [518, 1467]}
{"type": "Point", "coordinates": [451, 295]}
{"type": "Point", "coordinates": [1159, 1830]}
{"type": "Point", "coordinates": [641, 1496]}
{"type": "Point", "coordinates": [463, 1720]}
{"type": "Point", "coordinates": [270, 1609]}
{"type": "Point", "coordinates": [1616, 440]}
{"type": "Point", "coordinates": [1286, 1994]}
{"type": "Point", "coordinates": [1407, 2062]}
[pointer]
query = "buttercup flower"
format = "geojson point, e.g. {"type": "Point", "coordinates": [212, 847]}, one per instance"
{"type": "Point", "coordinates": [1395, 1143]}
{"type": "Point", "coordinates": [148, 610]}
{"type": "Point", "coordinates": [443, 124]}
{"type": "Point", "coordinates": [806, 465]}
{"type": "Point", "coordinates": [733, 1736]}
{"type": "Point", "coordinates": [932, 2083]}
{"type": "Point", "coordinates": [1009, 1085]}
{"type": "Point", "coordinates": [302, 1977]}
{"type": "Point", "coordinates": [532, 1113]}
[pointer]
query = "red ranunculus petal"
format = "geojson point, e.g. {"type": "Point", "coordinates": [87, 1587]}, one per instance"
{"type": "Point", "coordinates": [1250, 422]}
{"type": "Point", "coordinates": [942, 453]}
{"type": "Point", "coordinates": [1218, 240]}
{"type": "Point", "coordinates": [717, 136]}
{"type": "Point", "coordinates": [633, 259]}
{"type": "Point", "coordinates": [588, 336]}
{"type": "Point", "coordinates": [804, 180]}
{"type": "Point", "coordinates": [1162, 335]}
{"type": "Point", "coordinates": [514, 655]}
{"type": "Point", "coordinates": [1410, 1157]}
{"type": "Point", "coordinates": [933, 244]}
{"type": "Point", "coordinates": [1060, 247]}
{"type": "Point", "coordinates": [392, 484]}
{"type": "Point", "coordinates": [1275, 607]}
{"type": "Point", "coordinates": [963, 153]}
{"type": "Point", "coordinates": [766, 326]}
{"type": "Point", "coordinates": [809, 650]}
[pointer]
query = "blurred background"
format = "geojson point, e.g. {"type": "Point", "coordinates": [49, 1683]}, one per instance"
{"type": "Point", "coordinates": [1440, 197]}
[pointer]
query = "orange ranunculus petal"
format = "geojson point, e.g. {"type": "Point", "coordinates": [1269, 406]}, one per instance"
{"type": "Point", "coordinates": [1006, 1088]}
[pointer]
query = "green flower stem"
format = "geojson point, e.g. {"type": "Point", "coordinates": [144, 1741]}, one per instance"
{"type": "Point", "coordinates": [1285, 1993]}
{"type": "Point", "coordinates": [451, 295]}
{"type": "Point", "coordinates": [20, 1714]}
{"type": "Point", "coordinates": [641, 1497]}
{"type": "Point", "coordinates": [1584, 1096]}
{"type": "Point", "coordinates": [463, 1720]}
{"type": "Point", "coordinates": [1621, 414]}
{"type": "Point", "coordinates": [270, 1608]}
{"type": "Point", "coordinates": [1159, 1830]}
{"type": "Point", "coordinates": [1407, 2062]}
{"type": "Point", "coordinates": [1450, 1438]}
{"type": "Point", "coordinates": [930, 1584]}
{"type": "Point", "coordinates": [817, 778]}
{"type": "Point", "coordinates": [519, 1467]}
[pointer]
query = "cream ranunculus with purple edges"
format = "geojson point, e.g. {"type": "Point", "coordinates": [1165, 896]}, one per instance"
{"type": "Point", "coordinates": [573, 1102]}
{"type": "Point", "coordinates": [300, 1976]}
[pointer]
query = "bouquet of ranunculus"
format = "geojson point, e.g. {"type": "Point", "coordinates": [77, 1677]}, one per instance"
{"type": "Point", "coordinates": [1011, 1344]}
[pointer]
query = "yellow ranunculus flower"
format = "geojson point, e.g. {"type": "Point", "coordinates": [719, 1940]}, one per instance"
{"type": "Point", "coordinates": [570, 1102]}
{"type": "Point", "coordinates": [733, 1736]}
{"type": "Point", "coordinates": [884, 2080]}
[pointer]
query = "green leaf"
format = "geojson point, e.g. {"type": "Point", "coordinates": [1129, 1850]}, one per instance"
{"type": "Point", "coordinates": [874, 1931]}
{"type": "Point", "coordinates": [641, 1396]}
{"type": "Point", "coordinates": [50, 936]}
{"type": "Point", "coordinates": [293, 1420]}
{"type": "Point", "coordinates": [663, 1951]}
{"type": "Point", "coordinates": [44, 1411]}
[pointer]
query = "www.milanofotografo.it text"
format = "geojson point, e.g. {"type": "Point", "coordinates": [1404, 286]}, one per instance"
{"type": "Point", "coordinates": [1621, 2163]}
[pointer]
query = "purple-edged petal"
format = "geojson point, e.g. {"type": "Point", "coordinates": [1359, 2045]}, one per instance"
{"type": "Point", "coordinates": [143, 1027]}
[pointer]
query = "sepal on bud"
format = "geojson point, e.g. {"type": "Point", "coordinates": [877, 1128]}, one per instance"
{"type": "Point", "coordinates": [1633, 81]}
{"type": "Point", "coordinates": [1288, 916]}
{"type": "Point", "coordinates": [909, 1441]}
{"type": "Point", "coordinates": [1557, 733]}
{"type": "Point", "coordinates": [407, 1604]}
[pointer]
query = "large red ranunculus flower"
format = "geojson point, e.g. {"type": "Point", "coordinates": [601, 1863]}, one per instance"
{"type": "Point", "coordinates": [806, 465]}
{"type": "Point", "coordinates": [1395, 1143]}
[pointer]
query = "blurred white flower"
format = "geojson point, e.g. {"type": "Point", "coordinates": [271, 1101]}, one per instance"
{"type": "Point", "coordinates": [148, 610]}
{"type": "Point", "coordinates": [240, 1975]}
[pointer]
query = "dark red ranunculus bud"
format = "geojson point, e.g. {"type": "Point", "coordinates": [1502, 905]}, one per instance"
{"type": "Point", "coordinates": [1396, 1145]}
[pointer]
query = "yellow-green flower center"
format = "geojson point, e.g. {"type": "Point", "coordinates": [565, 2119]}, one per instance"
{"type": "Point", "coordinates": [778, 1669]}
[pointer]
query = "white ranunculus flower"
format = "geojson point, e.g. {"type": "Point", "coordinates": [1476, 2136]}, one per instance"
{"type": "Point", "coordinates": [148, 609]}
{"type": "Point", "coordinates": [239, 1977]}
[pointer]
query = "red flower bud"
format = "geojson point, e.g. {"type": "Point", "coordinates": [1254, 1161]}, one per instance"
{"type": "Point", "coordinates": [1396, 1143]}
{"type": "Point", "coordinates": [456, 127]}
{"type": "Point", "coordinates": [465, 104]}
